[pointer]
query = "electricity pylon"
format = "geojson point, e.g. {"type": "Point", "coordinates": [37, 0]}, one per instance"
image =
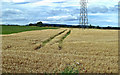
{"type": "Point", "coordinates": [83, 13]}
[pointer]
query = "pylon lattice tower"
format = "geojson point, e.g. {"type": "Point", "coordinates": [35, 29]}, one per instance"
{"type": "Point", "coordinates": [83, 13]}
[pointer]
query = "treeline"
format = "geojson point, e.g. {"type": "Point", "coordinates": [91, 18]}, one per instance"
{"type": "Point", "coordinates": [8, 25]}
{"type": "Point", "coordinates": [40, 24]}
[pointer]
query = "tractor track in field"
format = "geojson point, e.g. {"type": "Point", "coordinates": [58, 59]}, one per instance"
{"type": "Point", "coordinates": [62, 38]}
{"type": "Point", "coordinates": [58, 38]}
{"type": "Point", "coordinates": [40, 45]}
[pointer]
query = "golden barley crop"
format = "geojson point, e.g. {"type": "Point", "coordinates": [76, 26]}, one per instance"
{"type": "Point", "coordinates": [87, 50]}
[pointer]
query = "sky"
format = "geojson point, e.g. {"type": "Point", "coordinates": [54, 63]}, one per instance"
{"type": "Point", "coordinates": [22, 12]}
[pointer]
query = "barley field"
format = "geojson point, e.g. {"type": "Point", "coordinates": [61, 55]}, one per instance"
{"type": "Point", "coordinates": [52, 50]}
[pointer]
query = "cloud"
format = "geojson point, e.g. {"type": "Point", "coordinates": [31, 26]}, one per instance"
{"type": "Point", "coordinates": [19, 1]}
{"type": "Point", "coordinates": [62, 18]}
{"type": "Point", "coordinates": [13, 16]}
{"type": "Point", "coordinates": [60, 2]}
{"type": "Point", "coordinates": [11, 11]}
{"type": "Point", "coordinates": [104, 19]}
{"type": "Point", "coordinates": [22, 3]}
{"type": "Point", "coordinates": [98, 9]}
{"type": "Point", "coordinates": [58, 11]}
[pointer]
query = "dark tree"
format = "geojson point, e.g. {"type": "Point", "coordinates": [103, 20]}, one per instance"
{"type": "Point", "coordinates": [98, 27]}
{"type": "Point", "coordinates": [31, 24]}
{"type": "Point", "coordinates": [39, 24]}
{"type": "Point", "coordinates": [109, 27]}
{"type": "Point", "coordinates": [90, 26]}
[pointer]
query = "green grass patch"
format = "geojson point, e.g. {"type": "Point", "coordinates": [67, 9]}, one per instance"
{"type": "Point", "coordinates": [69, 70]}
{"type": "Point", "coordinates": [17, 29]}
